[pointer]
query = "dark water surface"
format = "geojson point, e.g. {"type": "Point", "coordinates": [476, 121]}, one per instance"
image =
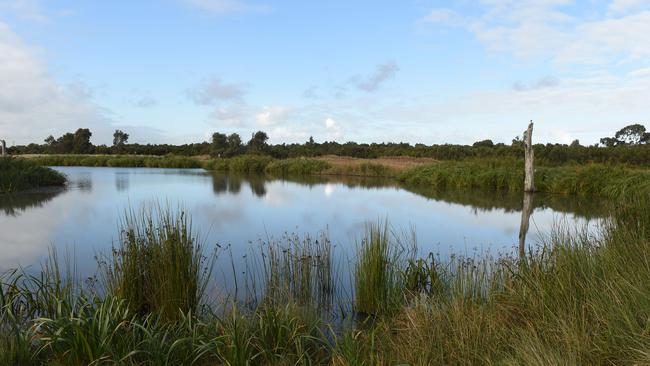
{"type": "Point", "coordinates": [238, 210]}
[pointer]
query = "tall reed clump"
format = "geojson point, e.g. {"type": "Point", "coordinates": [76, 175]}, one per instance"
{"type": "Point", "coordinates": [159, 265]}
{"type": "Point", "coordinates": [293, 268]}
{"type": "Point", "coordinates": [381, 260]}
{"type": "Point", "coordinates": [18, 175]}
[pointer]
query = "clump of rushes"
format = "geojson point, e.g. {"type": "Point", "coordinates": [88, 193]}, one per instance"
{"type": "Point", "coordinates": [381, 260]}
{"type": "Point", "coordinates": [159, 265]}
{"type": "Point", "coordinates": [295, 268]}
{"type": "Point", "coordinates": [19, 175]}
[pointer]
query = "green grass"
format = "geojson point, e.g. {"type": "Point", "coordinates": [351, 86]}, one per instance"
{"type": "Point", "coordinates": [19, 175]}
{"type": "Point", "coordinates": [602, 180]}
{"type": "Point", "coordinates": [122, 161]}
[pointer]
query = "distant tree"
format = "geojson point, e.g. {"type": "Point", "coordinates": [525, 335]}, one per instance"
{"type": "Point", "coordinates": [81, 141]}
{"type": "Point", "coordinates": [219, 144]}
{"type": "Point", "coordinates": [517, 141]}
{"type": "Point", "coordinates": [64, 144]}
{"type": "Point", "coordinates": [632, 135]}
{"type": "Point", "coordinates": [311, 140]}
{"type": "Point", "coordinates": [120, 138]}
{"type": "Point", "coordinates": [50, 140]}
{"type": "Point", "coordinates": [235, 146]}
{"type": "Point", "coordinates": [575, 143]}
{"type": "Point", "coordinates": [258, 143]}
{"type": "Point", "coordinates": [608, 141]}
{"type": "Point", "coordinates": [484, 143]}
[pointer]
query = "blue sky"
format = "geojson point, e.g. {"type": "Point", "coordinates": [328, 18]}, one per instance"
{"type": "Point", "coordinates": [416, 71]}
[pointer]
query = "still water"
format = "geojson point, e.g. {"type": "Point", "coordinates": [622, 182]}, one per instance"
{"type": "Point", "coordinates": [240, 210]}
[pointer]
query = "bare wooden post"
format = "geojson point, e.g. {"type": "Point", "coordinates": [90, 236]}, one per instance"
{"type": "Point", "coordinates": [529, 182]}
{"type": "Point", "coordinates": [3, 148]}
{"type": "Point", "coordinates": [525, 223]}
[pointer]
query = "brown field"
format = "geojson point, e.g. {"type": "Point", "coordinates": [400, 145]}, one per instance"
{"type": "Point", "coordinates": [397, 163]}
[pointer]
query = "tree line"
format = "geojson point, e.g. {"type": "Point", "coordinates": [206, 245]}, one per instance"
{"type": "Point", "coordinates": [629, 145]}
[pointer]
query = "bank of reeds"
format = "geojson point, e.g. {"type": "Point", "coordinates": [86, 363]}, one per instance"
{"type": "Point", "coordinates": [20, 175]}
{"type": "Point", "coordinates": [120, 161]}
{"type": "Point", "coordinates": [602, 180]}
{"type": "Point", "coordinates": [578, 299]}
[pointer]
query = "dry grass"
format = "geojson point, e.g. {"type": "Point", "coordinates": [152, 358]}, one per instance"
{"type": "Point", "coordinates": [398, 163]}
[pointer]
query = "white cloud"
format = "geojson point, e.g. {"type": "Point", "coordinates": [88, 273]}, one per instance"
{"type": "Point", "coordinates": [26, 9]}
{"type": "Point", "coordinates": [273, 115]}
{"type": "Point", "coordinates": [33, 105]}
{"type": "Point", "coordinates": [226, 6]}
{"type": "Point", "coordinates": [546, 29]}
{"type": "Point", "coordinates": [333, 128]}
{"type": "Point", "coordinates": [443, 16]}
{"type": "Point", "coordinates": [624, 6]}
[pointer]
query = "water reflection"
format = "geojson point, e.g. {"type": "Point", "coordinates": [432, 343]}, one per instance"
{"type": "Point", "coordinates": [122, 182]}
{"type": "Point", "coordinates": [15, 204]}
{"type": "Point", "coordinates": [237, 209]}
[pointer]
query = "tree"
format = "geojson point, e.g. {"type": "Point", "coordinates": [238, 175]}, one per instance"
{"type": "Point", "coordinates": [50, 140]}
{"type": "Point", "coordinates": [608, 141]}
{"type": "Point", "coordinates": [632, 135]}
{"type": "Point", "coordinates": [258, 143]}
{"type": "Point", "coordinates": [484, 143]}
{"type": "Point", "coordinates": [234, 145]}
{"type": "Point", "coordinates": [64, 144]}
{"type": "Point", "coordinates": [120, 138]}
{"type": "Point", "coordinates": [81, 141]}
{"type": "Point", "coordinates": [219, 144]}
{"type": "Point", "coordinates": [575, 143]}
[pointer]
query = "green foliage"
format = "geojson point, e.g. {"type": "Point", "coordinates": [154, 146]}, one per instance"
{"type": "Point", "coordinates": [380, 263]}
{"type": "Point", "coordinates": [508, 175]}
{"type": "Point", "coordinates": [120, 138]}
{"type": "Point", "coordinates": [159, 265]}
{"type": "Point", "coordinates": [629, 146]}
{"type": "Point", "coordinates": [18, 175]}
{"type": "Point", "coordinates": [299, 166]}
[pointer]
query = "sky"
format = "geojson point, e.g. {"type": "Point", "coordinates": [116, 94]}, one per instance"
{"type": "Point", "coordinates": [417, 71]}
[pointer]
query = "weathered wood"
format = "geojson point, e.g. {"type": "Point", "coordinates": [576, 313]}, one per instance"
{"type": "Point", "coordinates": [529, 182]}
{"type": "Point", "coordinates": [526, 212]}
{"type": "Point", "coordinates": [3, 148]}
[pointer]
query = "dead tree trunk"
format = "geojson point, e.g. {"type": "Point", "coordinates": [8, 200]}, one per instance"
{"type": "Point", "coordinates": [529, 182]}
{"type": "Point", "coordinates": [525, 223]}
{"type": "Point", "coordinates": [3, 148]}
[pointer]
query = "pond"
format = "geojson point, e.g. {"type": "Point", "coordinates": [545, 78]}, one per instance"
{"type": "Point", "coordinates": [241, 210]}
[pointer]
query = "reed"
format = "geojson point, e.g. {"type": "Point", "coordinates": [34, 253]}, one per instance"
{"type": "Point", "coordinates": [381, 261]}
{"type": "Point", "coordinates": [507, 175]}
{"type": "Point", "coordinates": [19, 175]}
{"type": "Point", "coordinates": [292, 268]}
{"type": "Point", "coordinates": [159, 264]}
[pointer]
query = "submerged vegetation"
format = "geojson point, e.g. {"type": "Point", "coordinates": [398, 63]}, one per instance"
{"type": "Point", "coordinates": [578, 299]}
{"type": "Point", "coordinates": [19, 175]}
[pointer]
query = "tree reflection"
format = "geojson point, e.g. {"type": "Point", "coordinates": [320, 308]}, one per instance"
{"type": "Point", "coordinates": [15, 204]}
